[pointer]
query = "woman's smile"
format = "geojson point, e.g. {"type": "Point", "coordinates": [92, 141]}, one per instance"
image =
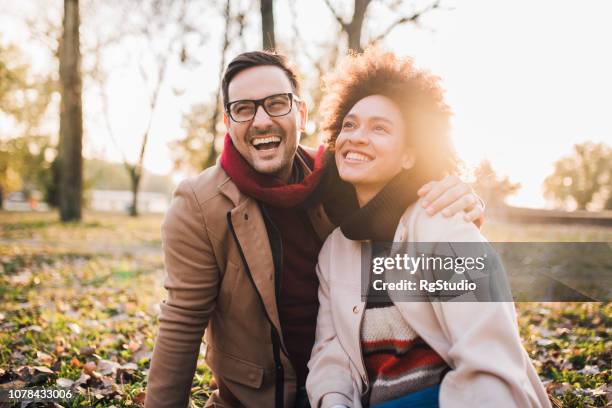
{"type": "Point", "coordinates": [356, 157]}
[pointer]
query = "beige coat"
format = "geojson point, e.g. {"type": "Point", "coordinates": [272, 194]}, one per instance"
{"type": "Point", "coordinates": [220, 279]}
{"type": "Point", "coordinates": [479, 341]}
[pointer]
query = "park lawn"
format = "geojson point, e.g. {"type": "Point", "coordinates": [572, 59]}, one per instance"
{"type": "Point", "coordinates": [79, 304]}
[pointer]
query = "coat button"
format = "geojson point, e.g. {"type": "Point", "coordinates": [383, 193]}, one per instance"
{"type": "Point", "coordinates": [251, 376]}
{"type": "Point", "coordinates": [355, 309]}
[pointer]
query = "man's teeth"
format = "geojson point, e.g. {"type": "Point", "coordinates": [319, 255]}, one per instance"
{"type": "Point", "coordinates": [357, 157]}
{"type": "Point", "coordinates": [262, 140]}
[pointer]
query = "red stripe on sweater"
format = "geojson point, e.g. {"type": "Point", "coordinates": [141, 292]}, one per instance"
{"type": "Point", "coordinates": [390, 365]}
{"type": "Point", "coordinates": [389, 343]}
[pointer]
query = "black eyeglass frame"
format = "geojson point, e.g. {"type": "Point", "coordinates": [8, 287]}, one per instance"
{"type": "Point", "coordinates": [260, 102]}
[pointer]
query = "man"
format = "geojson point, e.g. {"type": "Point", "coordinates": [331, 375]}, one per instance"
{"type": "Point", "coordinates": [241, 242]}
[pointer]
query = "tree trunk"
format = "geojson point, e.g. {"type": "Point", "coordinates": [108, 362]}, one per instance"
{"type": "Point", "coordinates": [353, 30]}
{"type": "Point", "coordinates": [354, 37]}
{"type": "Point", "coordinates": [71, 116]}
{"type": "Point", "coordinates": [267, 24]}
{"type": "Point", "coordinates": [135, 179]}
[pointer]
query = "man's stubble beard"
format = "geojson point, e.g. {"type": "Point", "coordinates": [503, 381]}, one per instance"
{"type": "Point", "coordinates": [286, 161]}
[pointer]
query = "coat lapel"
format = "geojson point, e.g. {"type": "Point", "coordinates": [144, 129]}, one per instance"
{"type": "Point", "coordinates": [252, 237]}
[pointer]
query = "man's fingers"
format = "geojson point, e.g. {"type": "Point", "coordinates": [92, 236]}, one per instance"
{"type": "Point", "coordinates": [464, 203]}
{"type": "Point", "coordinates": [474, 214]}
{"type": "Point", "coordinates": [438, 188]}
{"type": "Point", "coordinates": [449, 197]}
{"type": "Point", "coordinates": [425, 189]}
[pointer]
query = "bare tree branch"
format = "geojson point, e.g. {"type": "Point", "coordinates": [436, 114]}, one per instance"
{"type": "Point", "coordinates": [107, 122]}
{"type": "Point", "coordinates": [162, 64]}
{"type": "Point", "coordinates": [336, 15]}
{"type": "Point", "coordinates": [210, 159]}
{"type": "Point", "coordinates": [406, 19]}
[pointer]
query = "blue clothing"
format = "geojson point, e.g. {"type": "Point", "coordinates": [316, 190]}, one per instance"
{"type": "Point", "coordinates": [425, 398]}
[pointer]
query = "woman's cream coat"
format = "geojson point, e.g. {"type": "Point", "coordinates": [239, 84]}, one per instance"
{"type": "Point", "coordinates": [479, 341]}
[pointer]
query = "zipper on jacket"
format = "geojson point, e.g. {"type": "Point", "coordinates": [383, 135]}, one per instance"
{"type": "Point", "coordinates": [367, 377]}
{"type": "Point", "coordinates": [277, 271]}
{"type": "Point", "coordinates": [278, 366]}
{"type": "Point", "coordinates": [279, 391]}
{"type": "Point", "coordinates": [365, 305]}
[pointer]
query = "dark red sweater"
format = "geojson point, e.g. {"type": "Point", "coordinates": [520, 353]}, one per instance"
{"type": "Point", "coordinates": [298, 303]}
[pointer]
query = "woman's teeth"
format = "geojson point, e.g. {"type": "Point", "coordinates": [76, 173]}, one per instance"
{"type": "Point", "coordinates": [357, 157]}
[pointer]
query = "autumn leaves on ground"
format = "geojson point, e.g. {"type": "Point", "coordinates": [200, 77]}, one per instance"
{"type": "Point", "coordinates": [79, 304]}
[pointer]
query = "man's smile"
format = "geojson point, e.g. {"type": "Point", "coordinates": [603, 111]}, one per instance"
{"type": "Point", "coordinates": [266, 142]}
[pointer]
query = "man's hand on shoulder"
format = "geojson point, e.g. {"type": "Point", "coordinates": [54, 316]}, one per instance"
{"type": "Point", "coordinates": [450, 196]}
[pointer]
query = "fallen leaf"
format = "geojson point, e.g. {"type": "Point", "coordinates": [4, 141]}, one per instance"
{"type": "Point", "coordinates": [60, 345]}
{"type": "Point", "coordinates": [44, 358]}
{"type": "Point", "coordinates": [601, 390]}
{"type": "Point", "coordinates": [544, 342]}
{"type": "Point", "coordinates": [44, 369]}
{"type": "Point", "coordinates": [144, 352]}
{"type": "Point", "coordinates": [17, 356]}
{"type": "Point", "coordinates": [134, 345]}
{"type": "Point", "coordinates": [107, 367]}
{"type": "Point", "coordinates": [64, 382]}
{"type": "Point", "coordinates": [87, 350]}
{"type": "Point", "coordinates": [34, 327]}
{"type": "Point", "coordinates": [82, 380]}
{"type": "Point", "coordinates": [13, 385]}
{"type": "Point", "coordinates": [140, 398]}
{"type": "Point", "coordinates": [590, 370]}
{"type": "Point", "coordinates": [76, 329]}
{"type": "Point", "coordinates": [129, 366]}
{"type": "Point", "coordinates": [89, 367]}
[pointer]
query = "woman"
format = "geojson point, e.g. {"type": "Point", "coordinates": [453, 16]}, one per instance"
{"type": "Point", "coordinates": [387, 125]}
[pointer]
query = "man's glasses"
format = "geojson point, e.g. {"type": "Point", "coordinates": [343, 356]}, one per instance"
{"type": "Point", "coordinates": [275, 105]}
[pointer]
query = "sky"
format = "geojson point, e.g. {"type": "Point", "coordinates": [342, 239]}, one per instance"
{"type": "Point", "coordinates": [526, 79]}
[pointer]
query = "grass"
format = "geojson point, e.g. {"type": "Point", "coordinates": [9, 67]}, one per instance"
{"type": "Point", "coordinates": [79, 303]}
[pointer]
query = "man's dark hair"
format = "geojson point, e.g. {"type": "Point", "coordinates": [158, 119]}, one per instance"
{"type": "Point", "coordinates": [256, 59]}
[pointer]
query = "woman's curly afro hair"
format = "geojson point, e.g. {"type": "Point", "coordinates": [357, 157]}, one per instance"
{"type": "Point", "coordinates": [417, 93]}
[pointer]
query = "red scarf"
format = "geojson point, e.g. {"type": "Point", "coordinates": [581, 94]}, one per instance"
{"type": "Point", "coordinates": [267, 188]}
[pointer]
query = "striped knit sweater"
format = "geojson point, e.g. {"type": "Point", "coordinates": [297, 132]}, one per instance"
{"type": "Point", "coordinates": [397, 360]}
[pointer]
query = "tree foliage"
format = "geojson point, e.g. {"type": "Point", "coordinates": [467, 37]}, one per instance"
{"type": "Point", "coordinates": [583, 179]}
{"type": "Point", "coordinates": [26, 153]}
{"type": "Point", "coordinates": [492, 188]}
